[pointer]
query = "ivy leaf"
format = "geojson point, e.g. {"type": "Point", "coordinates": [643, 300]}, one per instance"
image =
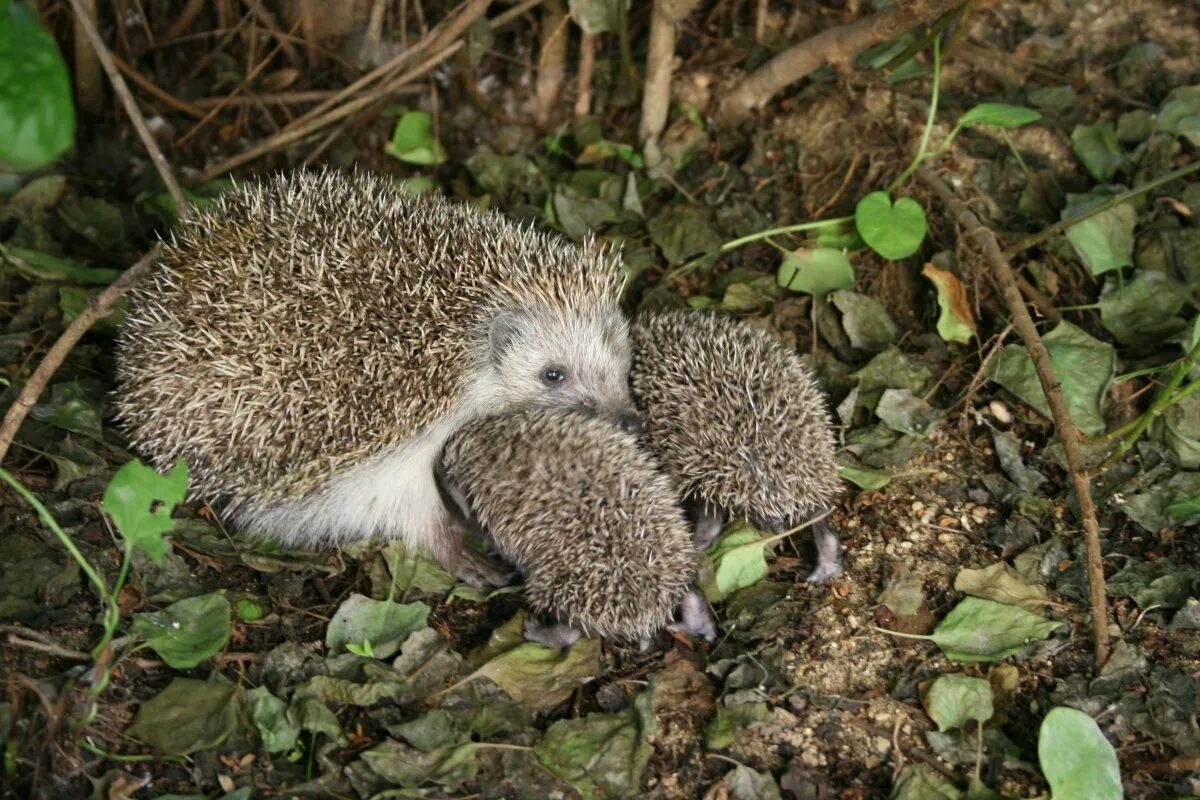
{"type": "Point", "coordinates": [413, 141]}
{"type": "Point", "coordinates": [953, 700]}
{"type": "Point", "coordinates": [956, 323]}
{"type": "Point", "coordinates": [1000, 115]}
{"type": "Point", "coordinates": [1103, 241]}
{"type": "Point", "coordinates": [1078, 762]}
{"type": "Point", "coordinates": [140, 502]}
{"type": "Point", "coordinates": [186, 633]}
{"type": "Point", "coordinates": [894, 231]}
{"type": "Point", "coordinates": [816, 271]}
{"type": "Point", "coordinates": [37, 114]}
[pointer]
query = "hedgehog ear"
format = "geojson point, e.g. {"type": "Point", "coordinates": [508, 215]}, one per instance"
{"type": "Point", "coordinates": [505, 327]}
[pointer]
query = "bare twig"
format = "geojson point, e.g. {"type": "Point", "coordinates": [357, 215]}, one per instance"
{"type": "Point", "coordinates": [1006, 282]}
{"type": "Point", "coordinates": [552, 61]}
{"type": "Point", "coordinates": [157, 91]}
{"type": "Point", "coordinates": [660, 55]}
{"type": "Point", "coordinates": [583, 80]}
{"type": "Point", "coordinates": [89, 90]}
{"type": "Point", "coordinates": [131, 108]}
{"type": "Point", "coordinates": [97, 307]}
{"type": "Point", "coordinates": [836, 45]}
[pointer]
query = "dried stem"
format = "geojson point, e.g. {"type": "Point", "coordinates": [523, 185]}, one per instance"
{"type": "Point", "coordinates": [89, 90]}
{"type": "Point", "coordinates": [660, 56]}
{"type": "Point", "coordinates": [1006, 282]}
{"type": "Point", "coordinates": [97, 308]}
{"type": "Point", "coordinates": [837, 45]}
{"type": "Point", "coordinates": [583, 81]}
{"type": "Point", "coordinates": [552, 61]}
{"type": "Point", "coordinates": [131, 108]}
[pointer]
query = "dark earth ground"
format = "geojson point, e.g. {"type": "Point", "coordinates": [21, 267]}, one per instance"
{"type": "Point", "coordinates": [813, 697]}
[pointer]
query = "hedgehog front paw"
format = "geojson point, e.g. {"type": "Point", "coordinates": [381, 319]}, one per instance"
{"type": "Point", "coordinates": [551, 635]}
{"type": "Point", "coordinates": [698, 619]}
{"type": "Point", "coordinates": [829, 554]}
{"type": "Point", "coordinates": [475, 568]}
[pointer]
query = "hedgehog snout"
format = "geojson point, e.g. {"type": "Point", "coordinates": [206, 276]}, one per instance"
{"type": "Point", "coordinates": [629, 422]}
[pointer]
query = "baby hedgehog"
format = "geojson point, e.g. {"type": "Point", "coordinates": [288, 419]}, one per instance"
{"type": "Point", "coordinates": [309, 343]}
{"type": "Point", "coordinates": [739, 423]}
{"type": "Point", "coordinates": [588, 517]}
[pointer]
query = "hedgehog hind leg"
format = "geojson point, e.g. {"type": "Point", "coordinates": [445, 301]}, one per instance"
{"type": "Point", "coordinates": [708, 519]}
{"type": "Point", "coordinates": [829, 553]}
{"type": "Point", "coordinates": [449, 546]}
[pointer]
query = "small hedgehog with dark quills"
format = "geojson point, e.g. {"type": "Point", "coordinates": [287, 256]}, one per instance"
{"type": "Point", "coordinates": [739, 423]}
{"type": "Point", "coordinates": [310, 342]}
{"type": "Point", "coordinates": [587, 515]}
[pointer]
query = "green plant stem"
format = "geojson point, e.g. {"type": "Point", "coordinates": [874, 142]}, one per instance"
{"type": "Point", "coordinates": [1169, 396]}
{"type": "Point", "coordinates": [933, 105]}
{"type": "Point", "coordinates": [66, 541]}
{"type": "Point", "coordinates": [779, 536]}
{"type": "Point", "coordinates": [1113, 202]}
{"type": "Point", "coordinates": [734, 244]}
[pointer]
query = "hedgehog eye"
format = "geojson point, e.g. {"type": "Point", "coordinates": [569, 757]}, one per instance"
{"type": "Point", "coordinates": [553, 375]}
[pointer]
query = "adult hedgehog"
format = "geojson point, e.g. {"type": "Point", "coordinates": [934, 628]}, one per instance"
{"type": "Point", "coordinates": [310, 342]}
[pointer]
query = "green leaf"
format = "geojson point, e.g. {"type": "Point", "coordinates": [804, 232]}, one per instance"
{"type": "Point", "coordinates": [902, 411]}
{"type": "Point", "coordinates": [45, 267]}
{"type": "Point", "coordinates": [383, 623]}
{"type": "Point", "coordinates": [981, 630]}
{"type": "Point", "coordinates": [411, 569]}
{"type": "Point", "coordinates": [867, 323]}
{"type": "Point", "coordinates": [140, 502]}
{"type": "Point", "coordinates": [683, 231]}
{"type": "Point", "coordinates": [1143, 310]}
{"type": "Point", "coordinates": [595, 16]}
{"type": "Point", "coordinates": [1166, 503]}
{"type": "Point", "coordinates": [1096, 147]}
{"type": "Point", "coordinates": [893, 231]}
{"type": "Point", "coordinates": [542, 677]}
{"type": "Point", "coordinates": [750, 784]}
{"type": "Point", "coordinates": [729, 723]}
{"type": "Point", "coordinates": [738, 561]}
{"type": "Point", "coordinates": [37, 115]}
{"type": "Point", "coordinates": [73, 301]}
{"type": "Point", "coordinates": [863, 478]}
{"type": "Point", "coordinates": [816, 271]}
{"type": "Point", "coordinates": [186, 633]}
{"type": "Point", "coordinates": [187, 716]}
{"type": "Point", "coordinates": [269, 715]}
{"type": "Point", "coordinates": [1078, 762]}
{"type": "Point", "coordinates": [1180, 113]}
{"type": "Point", "coordinates": [1000, 115]}
{"type": "Point", "coordinates": [248, 610]}
{"type": "Point", "coordinates": [1084, 366]}
{"type": "Point", "coordinates": [405, 766]}
{"type": "Point", "coordinates": [956, 323]}
{"type": "Point", "coordinates": [999, 582]}
{"type": "Point", "coordinates": [920, 782]}
{"type": "Point", "coordinates": [953, 700]}
{"type": "Point", "coordinates": [73, 406]}
{"type": "Point", "coordinates": [1104, 241]}
{"type": "Point", "coordinates": [601, 755]}
{"type": "Point", "coordinates": [413, 141]}
{"type": "Point", "coordinates": [1158, 584]}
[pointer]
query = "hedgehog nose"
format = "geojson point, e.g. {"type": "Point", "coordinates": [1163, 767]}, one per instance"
{"type": "Point", "coordinates": [628, 421]}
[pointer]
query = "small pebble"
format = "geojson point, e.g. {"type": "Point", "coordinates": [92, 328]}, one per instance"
{"type": "Point", "coordinates": [1000, 412]}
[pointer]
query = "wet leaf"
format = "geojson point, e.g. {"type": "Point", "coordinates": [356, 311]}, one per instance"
{"type": "Point", "coordinates": [894, 231]}
{"type": "Point", "coordinates": [37, 114]}
{"type": "Point", "coordinates": [1078, 762]}
{"type": "Point", "coordinates": [892, 369]}
{"type": "Point", "coordinates": [1104, 241]}
{"type": "Point", "coordinates": [749, 784]}
{"type": "Point", "coordinates": [1143, 310]}
{"type": "Point", "coordinates": [1179, 429]}
{"type": "Point", "coordinates": [683, 231]}
{"type": "Point", "coordinates": [1158, 584]}
{"type": "Point", "coordinates": [1096, 147]}
{"type": "Point", "coordinates": [383, 623]}
{"type": "Point", "coordinates": [817, 271]}
{"type": "Point", "coordinates": [1084, 366]}
{"type": "Point", "coordinates": [1008, 452]}
{"type": "Point", "coordinates": [919, 782]}
{"type": "Point", "coordinates": [1000, 115]}
{"type": "Point", "coordinates": [73, 406]}
{"type": "Point", "coordinates": [953, 700]}
{"type": "Point", "coordinates": [738, 561]}
{"type": "Point", "coordinates": [45, 267]}
{"type": "Point", "coordinates": [140, 502]}
{"type": "Point", "coordinates": [413, 140]}
{"type": "Point", "coordinates": [406, 766]}
{"type": "Point", "coordinates": [601, 754]}
{"type": "Point", "coordinates": [981, 630]}
{"type": "Point", "coordinates": [864, 478]}
{"type": "Point", "coordinates": [906, 413]}
{"type": "Point", "coordinates": [865, 320]}
{"type": "Point", "coordinates": [186, 633]}
{"type": "Point", "coordinates": [1001, 583]}
{"type": "Point", "coordinates": [269, 715]}
{"type": "Point", "coordinates": [1180, 113]}
{"type": "Point", "coordinates": [411, 569]}
{"type": "Point", "coordinates": [187, 716]}
{"type": "Point", "coordinates": [542, 677]}
{"type": "Point", "coordinates": [1166, 503]}
{"type": "Point", "coordinates": [955, 323]}
{"type": "Point", "coordinates": [727, 726]}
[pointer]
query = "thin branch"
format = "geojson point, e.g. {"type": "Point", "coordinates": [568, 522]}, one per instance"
{"type": "Point", "coordinates": [583, 79]}
{"type": "Point", "coordinates": [1006, 282]}
{"type": "Point", "coordinates": [837, 45]}
{"type": "Point", "coordinates": [131, 108]}
{"type": "Point", "coordinates": [552, 61]}
{"type": "Point", "coordinates": [660, 57]}
{"type": "Point", "coordinates": [97, 308]}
